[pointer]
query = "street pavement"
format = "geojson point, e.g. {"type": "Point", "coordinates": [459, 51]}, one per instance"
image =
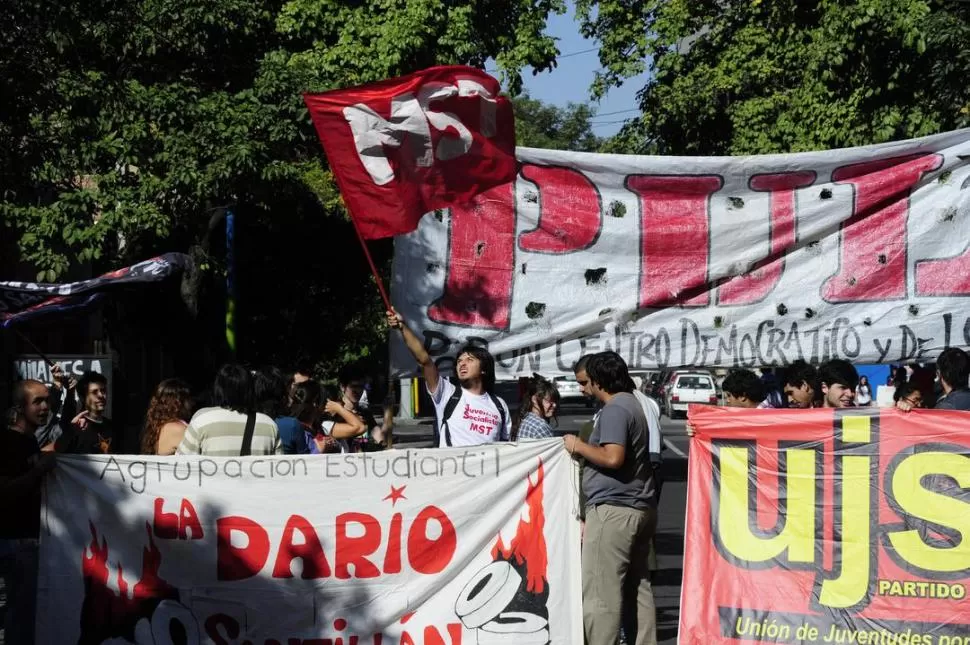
{"type": "Point", "coordinates": [673, 500]}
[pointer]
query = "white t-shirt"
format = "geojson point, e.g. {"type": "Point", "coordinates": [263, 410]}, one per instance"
{"type": "Point", "coordinates": [652, 411]}
{"type": "Point", "coordinates": [475, 420]}
{"type": "Point", "coordinates": [327, 428]}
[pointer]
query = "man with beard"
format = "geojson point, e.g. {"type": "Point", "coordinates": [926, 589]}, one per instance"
{"type": "Point", "coordinates": [621, 509]}
{"type": "Point", "coordinates": [468, 414]}
{"type": "Point", "coordinates": [90, 432]}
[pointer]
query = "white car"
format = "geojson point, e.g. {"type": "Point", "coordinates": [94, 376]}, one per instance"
{"type": "Point", "coordinates": [569, 389]}
{"type": "Point", "coordinates": [687, 388]}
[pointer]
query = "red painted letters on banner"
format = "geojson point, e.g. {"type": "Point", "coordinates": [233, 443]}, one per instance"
{"type": "Point", "coordinates": [858, 254]}
{"type": "Point", "coordinates": [478, 292]}
{"type": "Point", "coordinates": [571, 215]}
{"type": "Point", "coordinates": [674, 236]}
{"type": "Point", "coordinates": [874, 241]}
{"type": "Point", "coordinates": [747, 289]}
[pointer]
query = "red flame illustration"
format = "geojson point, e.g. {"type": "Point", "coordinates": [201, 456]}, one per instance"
{"type": "Point", "coordinates": [529, 543]}
{"type": "Point", "coordinates": [106, 613]}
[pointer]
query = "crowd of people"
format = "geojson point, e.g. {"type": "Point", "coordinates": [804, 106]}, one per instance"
{"type": "Point", "coordinates": [620, 483]}
{"type": "Point", "coordinates": [246, 412]}
{"type": "Point", "coordinates": [266, 412]}
{"type": "Point", "coordinates": [620, 451]}
{"type": "Point", "coordinates": [292, 414]}
{"type": "Point", "coordinates": [837, 384]}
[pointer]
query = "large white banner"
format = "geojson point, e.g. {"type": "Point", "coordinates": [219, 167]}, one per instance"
{"type": "Point", "coordinates": [859, 254]}
{"type": "Point", "coordinates": [409, 547]}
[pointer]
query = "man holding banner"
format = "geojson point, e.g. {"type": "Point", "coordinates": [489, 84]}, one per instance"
{"type": "Point", "coordinates": [802, 389]}
{"type": "Point", "coordinates": [90, 432]}
{"type": "Point", "coordinates": [954, 370]}
{"type": "Point", "coordinates": [839, 380]}
{"type": "Point", "coordinates": [621, 513]}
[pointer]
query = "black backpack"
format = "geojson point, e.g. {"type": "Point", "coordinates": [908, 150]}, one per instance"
{"type": "Point", "coordinates": [450, 407]}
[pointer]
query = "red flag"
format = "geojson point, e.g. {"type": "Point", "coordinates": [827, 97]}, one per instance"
{"type": "Point", "coordinates": [405, 146]}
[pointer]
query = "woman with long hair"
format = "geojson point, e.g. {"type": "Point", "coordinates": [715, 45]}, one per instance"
{"type": "Point", "coordinates": [540, 401]}
{"type": "Point", "coordinates": [306, 402]}
{"type": "Point", "coordinates": [167, 418]}
{"type": "Point", "coordinates": [863, 392]}
{"type": "Point", "coordinates": [300, 424]}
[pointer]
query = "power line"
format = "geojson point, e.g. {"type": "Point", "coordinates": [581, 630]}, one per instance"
{"type": "Point", "coordinates": [608, 122]}
{"type": "Point", "coordinates": [584, 51]}
{"type": "Point", "coordinates": [599, 114]}
{"type": "Point", "coordinates": [569, 55]}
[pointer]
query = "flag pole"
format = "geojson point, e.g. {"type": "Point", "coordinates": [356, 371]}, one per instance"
{"type": "Point", "coordinates": [231, 282]}
{"type": "Point", "coordinates": [373, 267]}
{"type": "Point", "coordinates": [37, 349]}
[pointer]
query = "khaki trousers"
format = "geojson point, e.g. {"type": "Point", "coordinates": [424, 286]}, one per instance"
{"type": "Point", "coordinates": [616, 575]}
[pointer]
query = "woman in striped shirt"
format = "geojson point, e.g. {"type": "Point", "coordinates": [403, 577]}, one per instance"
{"type": "Point", "coordinates": [218, 431]}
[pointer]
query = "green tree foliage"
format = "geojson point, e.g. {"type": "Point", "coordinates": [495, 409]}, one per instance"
{"type": "Point", "coordinates": [753, 76]}
{"type": "Point", "coordinates": [539, 125]}
{"type": "Point", "coordinates": [136, 117]}
{"type": "Point", "coordinates": [127, 127]}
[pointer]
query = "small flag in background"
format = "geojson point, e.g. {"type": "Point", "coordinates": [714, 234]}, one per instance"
{"type": "Point", "coordinates": [20, 301]}
{"type": "Point", "coordinates": [405, 146]}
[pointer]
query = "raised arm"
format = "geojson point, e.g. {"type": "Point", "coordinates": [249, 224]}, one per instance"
{"type": "Point", "coordinates": [68, 412]}
{"type": "Point", "coordinates": [416, 347]}
{"type": "Point", "coordinates": [349, 426]}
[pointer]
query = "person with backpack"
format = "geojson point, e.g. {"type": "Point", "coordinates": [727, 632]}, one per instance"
{"type": "Point", "coordinates": [468, 413]}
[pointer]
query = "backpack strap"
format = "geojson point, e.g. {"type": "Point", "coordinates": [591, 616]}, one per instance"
{"type": "Point", "coordinates": [449, 410]}
{"type": "Point", "coordinates": [247, 442]}
{"type": "Point", "coordinates": [497, 402]}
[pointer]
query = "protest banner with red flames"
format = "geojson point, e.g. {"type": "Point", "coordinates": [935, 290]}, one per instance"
{"type": "Point", "coordinates": [404, 547]}
{"type": "Point", "coordinates": [827, 526]}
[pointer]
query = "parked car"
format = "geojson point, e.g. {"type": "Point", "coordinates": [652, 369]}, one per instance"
{"type": "Point", "coordinates": [686, 387]}
{"type": "Point", "coordinates": [569, 390]}
{"type": "Point", "coordinates": [662, 385]}
{"type": "Point", "coordinates": [508, 390]}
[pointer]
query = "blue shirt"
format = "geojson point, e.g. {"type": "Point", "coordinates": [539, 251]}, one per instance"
{"type": "Point", "coordinates": [292, 436]}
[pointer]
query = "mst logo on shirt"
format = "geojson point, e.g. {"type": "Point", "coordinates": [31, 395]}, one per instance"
{"type": "Point", "coordinates": [480, 421]}
{"type": "Point", "coordinates": [474, 419]}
